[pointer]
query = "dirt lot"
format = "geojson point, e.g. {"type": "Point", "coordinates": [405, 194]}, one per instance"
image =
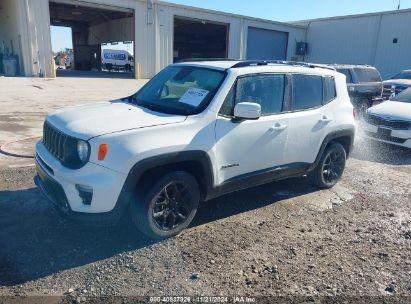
{"type": "Point", "coordinates": [25, 101]}
{"type": "Point", "coordinates": [281, 239]}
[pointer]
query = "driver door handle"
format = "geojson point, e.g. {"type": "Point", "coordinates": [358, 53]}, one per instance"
{"type": "Point", "coordinates": [325, 119]}
{"type": "Point", "coordinates": [278, 127]}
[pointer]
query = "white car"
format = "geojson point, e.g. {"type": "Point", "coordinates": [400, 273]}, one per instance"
{"type": "Point", "coordinates": [196, 131]}
{"type": "Point", "coordinates": [390, 121]}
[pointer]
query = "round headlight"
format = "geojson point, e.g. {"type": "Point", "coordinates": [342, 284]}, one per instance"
{"type": "Point", "coordinates": [82, 150]}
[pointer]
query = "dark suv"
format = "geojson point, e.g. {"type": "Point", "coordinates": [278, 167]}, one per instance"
{"type": "Point", "coordinates": [364, 84]}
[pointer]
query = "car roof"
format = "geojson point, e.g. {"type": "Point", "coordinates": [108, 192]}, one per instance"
{"type": "Point", "coordinates": [213, 64]}
{"type": "Point", "coordinates": [260, 65]}
{"type": "Point", "coordinates": [348, 66]}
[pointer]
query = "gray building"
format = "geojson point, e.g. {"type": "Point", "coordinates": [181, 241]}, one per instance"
{"type": "Point", "coordinates": [379, 39]}
{"type": "Point", "coordinates": [164, 33]}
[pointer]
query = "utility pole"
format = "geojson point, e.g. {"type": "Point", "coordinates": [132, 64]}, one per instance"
{"type": "Point", "coordinates": [399, 4]}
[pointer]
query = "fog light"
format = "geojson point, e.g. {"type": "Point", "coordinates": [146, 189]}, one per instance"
{"type": "Point", "coordinates": [85, 193]}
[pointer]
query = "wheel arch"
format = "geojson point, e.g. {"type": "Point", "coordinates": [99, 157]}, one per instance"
{"type": "Point", "coordinates": [197, 163]}
{"type": "Point", "coordinates": [345, 137]}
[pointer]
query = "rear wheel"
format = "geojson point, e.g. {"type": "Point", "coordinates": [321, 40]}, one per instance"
{"type": "Point", "coordinates": [330, 167]}
{"type": "Point", "coordinates": [168, 207]}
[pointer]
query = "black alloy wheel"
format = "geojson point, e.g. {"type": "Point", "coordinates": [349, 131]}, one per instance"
{"type": "Point", "coordinates": [330, 167]}
{"type": "Point", "coordinates": [333, 166]}
{"type": "Point", "coordinates": [172, 206]}
{"type": "Point", "coordinates": [166, 206]}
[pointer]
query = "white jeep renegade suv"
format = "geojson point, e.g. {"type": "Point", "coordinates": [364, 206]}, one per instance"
{"type": "Point", "coordinates": [196, 131]}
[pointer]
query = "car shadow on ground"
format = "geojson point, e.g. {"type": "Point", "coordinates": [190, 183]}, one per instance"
{"type": "Point", "coordinates": [94, 74]}
{"type": "Point", "coordinates": [251, 199]}
{"type": "Point", "coordinates": [377, 152]}
{"type": "Point", "coordinates": [36, 242]}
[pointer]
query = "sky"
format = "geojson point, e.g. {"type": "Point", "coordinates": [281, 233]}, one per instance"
{"type": "Point", "coordinates": [277, 10]}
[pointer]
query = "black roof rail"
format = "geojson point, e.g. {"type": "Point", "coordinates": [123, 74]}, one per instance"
{"type": "Point", "coordinates": [204, 59]}
{"type": "Point", "coordinates": [248, 63]}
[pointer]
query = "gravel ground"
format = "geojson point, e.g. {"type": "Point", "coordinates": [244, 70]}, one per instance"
{"type": "Point", "coordinates": [281, 239]}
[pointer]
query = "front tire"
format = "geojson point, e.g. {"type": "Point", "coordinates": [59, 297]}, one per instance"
{"type": "Point", "coordinates": [330, 167]}
{"type": "Point", "coordinates": [168, 207]}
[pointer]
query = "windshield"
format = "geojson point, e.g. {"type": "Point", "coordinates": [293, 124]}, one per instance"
{"type": "Point", "coordinates": [404, 96]}
{"type": "Point", "coordinates": [367, 75]}
{"type": "Point", "coordinates": [181, 90]}
{"type": "Point", "coordinates": [403, 75]}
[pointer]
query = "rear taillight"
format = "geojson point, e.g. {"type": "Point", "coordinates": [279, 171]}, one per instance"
{"type": "Point", "coordinates": [354, 113]}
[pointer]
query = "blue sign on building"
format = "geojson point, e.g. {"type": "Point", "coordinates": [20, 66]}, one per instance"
{"type": "Point", "coordinates": [114, 56]}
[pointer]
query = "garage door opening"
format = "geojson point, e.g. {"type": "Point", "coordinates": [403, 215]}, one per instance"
{"type": "Point", "coordinates": [199, 39]}
{"type": "Point", "coordinates": [102, 40]}
{"type": "Point", "coordinates": [263, 44]}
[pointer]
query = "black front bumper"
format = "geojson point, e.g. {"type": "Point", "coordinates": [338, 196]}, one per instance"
{"type": "Point", "coordinates": [52, 190]}
{"type": "Point", "coordinates": [55, 194]}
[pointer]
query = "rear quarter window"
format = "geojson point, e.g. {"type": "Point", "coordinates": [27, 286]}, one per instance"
{"type": "Point", "coordinates": [330, 92]}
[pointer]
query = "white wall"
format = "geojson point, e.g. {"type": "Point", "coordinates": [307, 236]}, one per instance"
{"type": "Point", "coordinates": [9, 34]}
{"type": "Point", "coordinates": [166, 15]}
{"type": "Point", "coordinates": [153, 32]}
{"type": "Point", "coordinates": [238, 30]}
{"type": "Point", "coordinates": [355, 39]}
{"type": "Point", "coordinates": [33, 25]}
{"type": "Point", "coordinates": [364, 39]}
{"type": "Point", "coordinates": [391, 58]}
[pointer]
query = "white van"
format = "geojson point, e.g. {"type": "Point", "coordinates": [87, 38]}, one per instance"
{"type": "Point", "coordinates": [117, 59]}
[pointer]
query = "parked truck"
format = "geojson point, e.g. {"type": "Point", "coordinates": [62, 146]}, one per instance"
{"type": "Point", "coordinates": [117, 60]}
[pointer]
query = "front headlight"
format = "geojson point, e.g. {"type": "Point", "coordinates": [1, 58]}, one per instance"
{"type": "Point", "coordinates": [82, 150]}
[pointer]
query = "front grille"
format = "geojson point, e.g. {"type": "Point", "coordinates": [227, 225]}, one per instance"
{"type": "Point", "coordinates": [386, 138]}
{"type": "Point", "coordinates": [62, 146]}
{"type": "Point", "coordinates": [393, 124]}
{"type": "Point", "coordinates": [55, 141]}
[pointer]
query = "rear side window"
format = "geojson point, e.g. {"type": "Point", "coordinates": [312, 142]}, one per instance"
{"type": "Point", "coordinates": [367, 75]}
{"type": "Point", "coordinates": [266, 90]}
{"type": "Point", "coordinates": [307, 92]}
{"type": "Point", "coordinates": [347, 74]}
{"type": "Point", "coordinates": [329, 89]}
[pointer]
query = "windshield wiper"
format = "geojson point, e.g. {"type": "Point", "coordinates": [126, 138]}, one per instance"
{"type": "Point", "coordinates": [128, 98]}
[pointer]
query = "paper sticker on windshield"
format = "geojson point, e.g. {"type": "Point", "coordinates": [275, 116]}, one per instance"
{"type": "Point", "coordinates": [194, 96]}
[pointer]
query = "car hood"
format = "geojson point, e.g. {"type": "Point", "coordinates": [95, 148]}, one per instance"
{"type": "Point", "coordinates": [392, 110]}
{"type": "Point", "coordinates": [397, 82]}
{"type": "Point", "coordinates": [88, 121]}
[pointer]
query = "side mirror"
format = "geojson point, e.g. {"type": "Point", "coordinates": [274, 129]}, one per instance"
{"type": "Point", "coordinates": [247, 110]}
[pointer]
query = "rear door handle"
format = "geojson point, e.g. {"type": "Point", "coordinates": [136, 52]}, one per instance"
{"type": "Point", "coordinates": [325, 119]}
{"type": "Point", "coordinates": [278, 127]}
